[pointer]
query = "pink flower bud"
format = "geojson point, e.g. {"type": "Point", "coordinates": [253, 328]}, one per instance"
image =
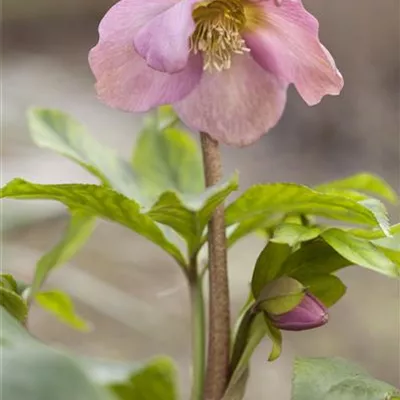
{"type": "Point", "coordinates": [309, 314]}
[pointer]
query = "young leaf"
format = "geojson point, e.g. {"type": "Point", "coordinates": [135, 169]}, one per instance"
{"type": "Point", "coordinates": [13, 303]}
{"type": "Point", "coordinates": [334, 379]}
{"type": "Point", "coordinates": [363, 182]}
{"type": "Point", "coordinates": [80, 228]}
{"type": "Point", "coordinates": [261, 201]}
{"type": "Point", "coordinates": [293, 234]}
{"type": "Point", "coordinates": [189, 215]}
{"type": "Point", "coordinates": [327, 288]}
{"type": "Point", "coordinates": [96, 201]}
{"type": "Point", "coordinates": [57, 131]}
{"type": "Point", "coordinates": [8, 282]}
{"type": "Point", "coordinates": [360, 252]}
{"type": "Point", "coordinates": [61, 306]}
{"type": "Point", "coordinates": [168, 160]}
{"type": "Point", "coordinates": [276, 338]}
{"type": "Point", "coordinates": [268, 266]}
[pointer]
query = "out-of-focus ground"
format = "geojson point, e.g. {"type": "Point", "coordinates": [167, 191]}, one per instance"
{"type": "Point", "coordinates": [131, 292]}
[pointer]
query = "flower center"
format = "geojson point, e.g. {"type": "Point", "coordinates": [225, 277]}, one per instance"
{"type": "Point", "coordinates": [217, 34]}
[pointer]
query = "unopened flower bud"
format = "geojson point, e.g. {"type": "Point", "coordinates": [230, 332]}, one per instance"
{"type": "Point", "coordinates": [309, 314]}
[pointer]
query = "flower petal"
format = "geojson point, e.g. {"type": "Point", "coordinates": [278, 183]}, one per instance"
{"type": "Point", "coordinates": [124, 80]}
{"type": "Point", "coordinates": [289, 47]}
{"type": "Point", "coordinates": [235, 106]}
{"type": "Point", "coordinates": [164, 41]}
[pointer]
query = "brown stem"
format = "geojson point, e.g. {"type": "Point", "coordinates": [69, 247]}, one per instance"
{"type": "Point", "coordinates": [219, 327]}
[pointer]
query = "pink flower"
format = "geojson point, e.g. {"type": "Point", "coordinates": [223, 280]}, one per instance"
{"type": "Point", "coordinates": [224, 65]}
{"type": "Point", "coordinates": [309, 314]}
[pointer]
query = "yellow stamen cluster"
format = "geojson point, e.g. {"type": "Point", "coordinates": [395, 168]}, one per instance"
{"type": "Point", "coordinates": [218, 32]}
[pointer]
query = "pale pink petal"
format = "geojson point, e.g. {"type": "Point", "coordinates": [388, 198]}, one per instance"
{"type": "Point", "coordinates": [289, 47]}
{"type": "Point", "coordinates": [235, 106]}
{"type": "Point", "coordinates": [124, 80]}
{"type": "Point", "coordinates": [164, 41]}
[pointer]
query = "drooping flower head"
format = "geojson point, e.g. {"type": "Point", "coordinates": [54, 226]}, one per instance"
{"type": "Point", "coordinates": [224, 65]}
{"type": "Point", "coordinates": [309, 314]}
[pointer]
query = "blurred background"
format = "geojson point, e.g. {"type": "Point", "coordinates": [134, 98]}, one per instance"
{"type": "Point", "coordinates": [130, 291]}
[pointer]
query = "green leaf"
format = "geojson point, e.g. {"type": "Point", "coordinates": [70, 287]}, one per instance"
{"type": "Point", "coordinates": [316, 257]}
{"type": "Point", "coordinates": [166, 117]}
{"type": "Point", "coordinates": [61, 306]}
{"type": "Point", "coordinates": [7, 281]}
{"type": "Point", "coordinates": [57, 131]}
{"type": "Point", "coordinates": [293, 234]}
{"type": "Point", "coordinates": [189, 215]}
{"type": "Point", "coordinates": [389, 242]}
{"type": "Point", "coordinates": [260, 201]}
{"type": "Point", "coordinates": [37, 372]}
{"type": "Point", "coordinates": [12, 301]}
{"type": "Point", "coordinates": [168, 160]}
{"type": "Point", "coordinates": [276, 338]}
{"type": "Point", "coordinates": [96, 201]}
{"type": "Point", "coordinates": [243, 228]}
{"type": "Point", "coordinates": [380, 212]}
{"type": "Point", "coordinates": [281, 296]}
{"type": "Point", "coordinates": [155, 381]}
{"type": "Point", "coordinates": [327, 288]}
{"type": "Point", "coordinates": [334, 379]}
{"type": "Point", "coordinates": [80, 228]}
{"type": "Point", "coordinates": [268, 266]}
{"type": "Point", "coordinates": [255, 333]}
{"type": "Point", "coordinates": [360, 252]}
{"type": "Point", "coordinates": [363, 182]}
{"type": "Point", "coordinates": [375, 233]}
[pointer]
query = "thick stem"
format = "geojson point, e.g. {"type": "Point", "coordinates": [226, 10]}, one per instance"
{"type": "Point", "coordinates": [198, 333]}
{"type": "Point", "coordinates": [219, 326]}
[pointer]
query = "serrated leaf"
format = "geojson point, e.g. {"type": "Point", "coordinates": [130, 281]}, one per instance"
{"type": "Point", "coordinates": [13, 303]}
{"type": "Point", "coordinates": [316, 257]}
{"type": "Point", "coordinates": [155, 381]}
{"type": "Point", "coordinates": [97, 201]}
{"type": "Point", "coordinates": [57, 131]}
{"type": "Point", "coordinates": [363, 182]}
{"type": "Point", "coordinates": [334, 379]}
{"type": "Point", "coordinates": [268, 266]}
{"type": "Point", "coordinates": [293, 234]}
{"type": "Point", "coordinates": [327, 288]}
{"type": "Point", "coordinates": [262, 200]}
{"type": "Point", "coordinates": [79, 229]}
{"type": "Point", "coordinates": [189, 215]}
{"type": "Point", "coordinates": [61, 306]}
{"type": "Point", "coordinates": [360, 252]}
{"type": "Point", "coordinates": [168, 160]}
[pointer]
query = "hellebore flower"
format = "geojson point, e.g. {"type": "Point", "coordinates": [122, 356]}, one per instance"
{"type": "Point", "coordinates": [309, 314]}
{"type": "Point", "coordinates": [224, 65]}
